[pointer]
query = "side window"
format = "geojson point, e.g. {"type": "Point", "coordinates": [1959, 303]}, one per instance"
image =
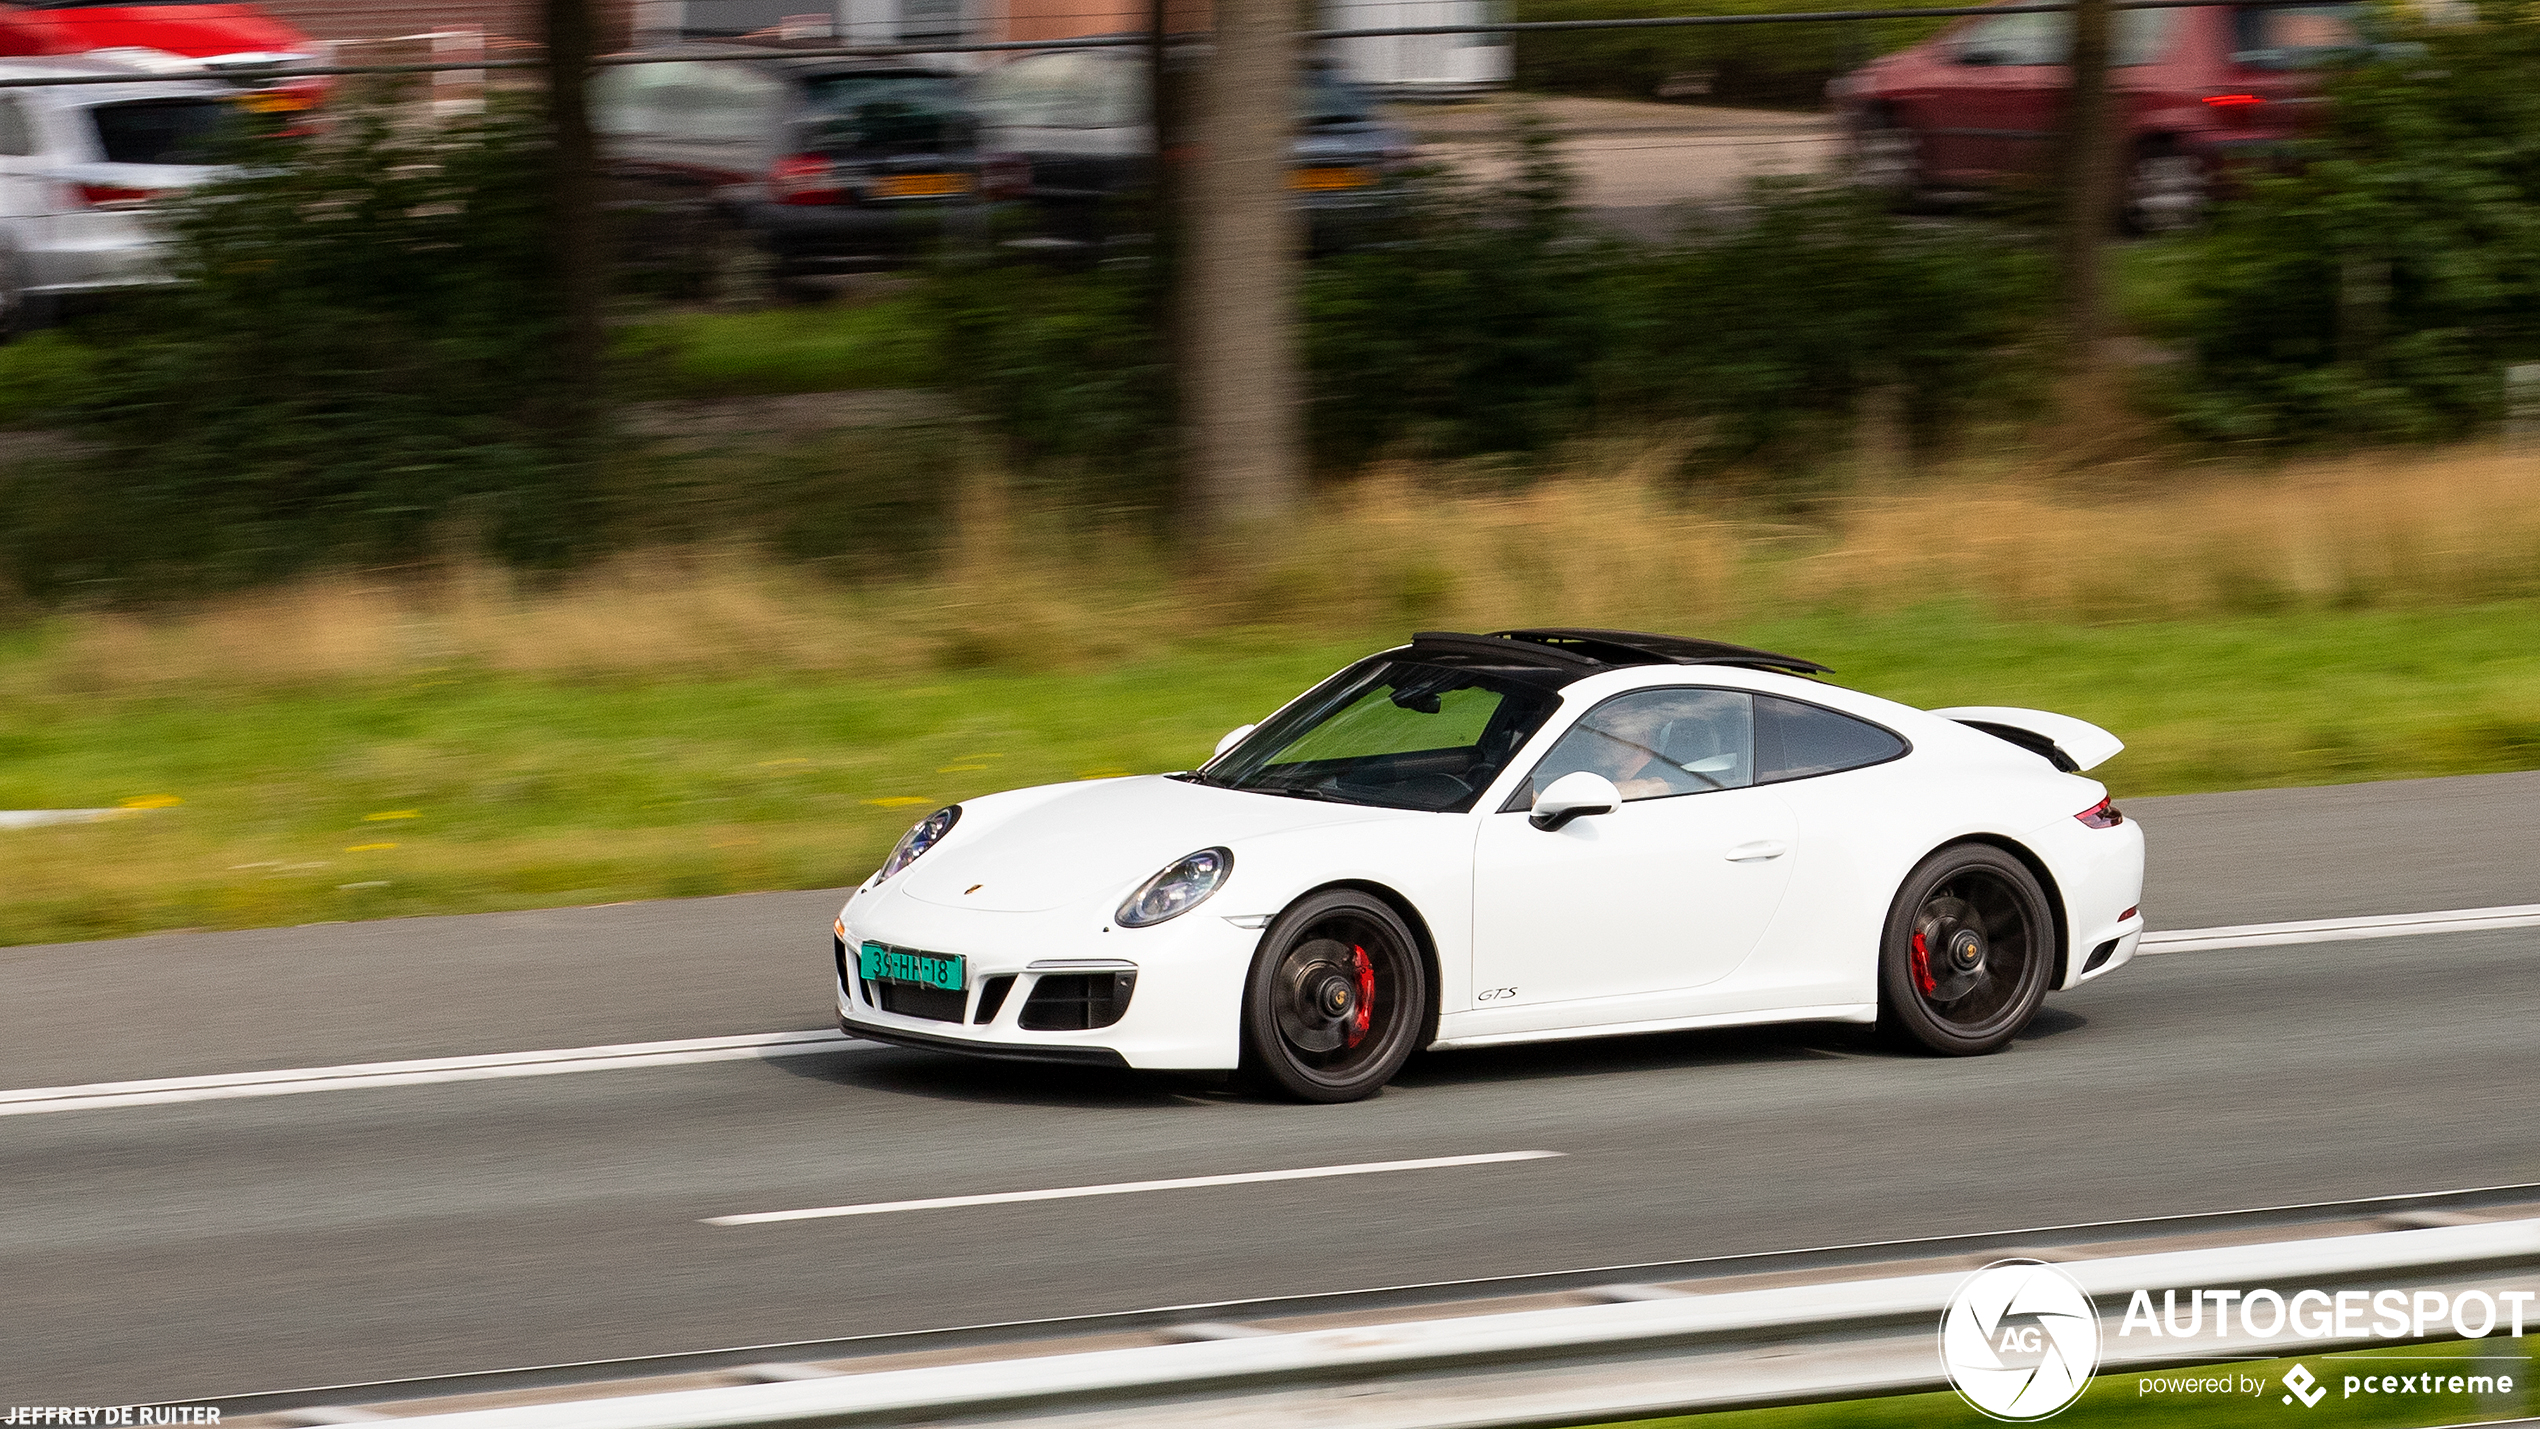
{"type": "Point", "coordinates": [1794, 740]}
{"type": "Point", "coordinates": [17, 128]}
{"type": "Point", "coordinates": [2028, 38]}
{"type": "Point", "coordinates": [1069, 90]}
{"type": "Point", "coordinates": [2136, 37]}
{"type": "Point", "coordinates": [718, 102]}
{"type": "Point", "coordinates": [1657, 743]}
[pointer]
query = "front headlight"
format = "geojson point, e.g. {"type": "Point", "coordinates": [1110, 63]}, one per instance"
{"type": "Point", "coordinates": [927, 833]}
{"type": "Point", "coordinates": [1180, 888]}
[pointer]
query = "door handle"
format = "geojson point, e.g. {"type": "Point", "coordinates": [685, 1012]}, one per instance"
{"type": "Point", "coordinates": [1758, 850]}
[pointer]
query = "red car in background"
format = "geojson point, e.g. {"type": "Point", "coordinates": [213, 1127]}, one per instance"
{"type": "Point", "coordinates": [210, 37]}
{"type": "Point", "coordinates": [1981, 105]}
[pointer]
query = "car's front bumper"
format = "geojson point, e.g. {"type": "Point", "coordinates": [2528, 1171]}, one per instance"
{"type": "Point", "coordinates": [1184, 1013]}
{"type": "Point", "coordinates": [901, 1036]}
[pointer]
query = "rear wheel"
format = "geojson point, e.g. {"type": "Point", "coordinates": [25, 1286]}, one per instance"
{"type": "Point", "coordinates": [2166, 190]}
{"type": "Point", "coordinates": [1969, 948]}
{"type": "Point", "coordinates": [1338, 999]}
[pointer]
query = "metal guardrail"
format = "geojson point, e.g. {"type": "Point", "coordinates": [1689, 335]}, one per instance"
{"type": "Point", "coordinates": [1660, 1352]}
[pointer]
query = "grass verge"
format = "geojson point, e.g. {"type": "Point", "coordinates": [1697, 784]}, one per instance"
{"type": "Point", "coordinates": [461, 786]}
{"type": "Point", "coordinates": [2162, 1397]}
{"type": "Point", "coordinates": [697, 723]}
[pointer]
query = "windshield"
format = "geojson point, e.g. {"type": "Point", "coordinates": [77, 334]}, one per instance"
{"type": "Point", "coordinates": [891, 111]}
{"type": "Point", "coordinates": [1399, 734]}
{"type": "Point", "coordinates": [161, 131]}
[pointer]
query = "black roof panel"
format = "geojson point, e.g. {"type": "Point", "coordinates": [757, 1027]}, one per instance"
{"type": "Point", "coordinates": [1584, 651]}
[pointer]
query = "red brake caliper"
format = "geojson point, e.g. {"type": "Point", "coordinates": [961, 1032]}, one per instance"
{"type": "Point", "coordinates": [1366, 994]}
{"type": "Point", "coordinates": [1922, 965]}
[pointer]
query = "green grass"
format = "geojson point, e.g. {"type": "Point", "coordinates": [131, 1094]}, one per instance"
{"type": "Point", "coordinates": [831, 347]}
{"type": "Point", "coordinates": [2122, 1401]}
{"type": "Point", "coordinates": [518, 791]}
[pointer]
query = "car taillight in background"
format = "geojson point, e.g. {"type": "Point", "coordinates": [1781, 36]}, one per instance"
{"type": "Point", "coordinates": [2102, 815]}
{"type": "Point", "coordinates": [806, 179]}
{"type": "Point", "coordinates": [113, 195]}
{"type": "Point", "coordinates": [2236, 110]}
{"type": "Point", "coordinates": [1005, 176]}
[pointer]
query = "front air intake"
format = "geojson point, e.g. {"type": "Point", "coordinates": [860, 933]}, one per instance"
{"type": "Point", "coordinates": [1077, 1002]}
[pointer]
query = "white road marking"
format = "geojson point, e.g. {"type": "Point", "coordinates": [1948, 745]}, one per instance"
{"type": "Point", "coordinates": [99, 1096]}
{"type": "Point", "coordinates": [1123, 1188]}
{"type": "Point", "coordinates": [2340, 930]}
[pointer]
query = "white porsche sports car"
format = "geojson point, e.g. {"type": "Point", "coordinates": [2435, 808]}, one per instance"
{"type": "Point", "coordinates": [1473, 840]}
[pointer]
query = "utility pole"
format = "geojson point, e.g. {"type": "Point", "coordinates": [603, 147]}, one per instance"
{"type": "Point", "coordinates": [574, 220]}
{"type": "Point", "coordinates": [1237, 276]}
{"type": "Point", "coordinates": [2088, 190]}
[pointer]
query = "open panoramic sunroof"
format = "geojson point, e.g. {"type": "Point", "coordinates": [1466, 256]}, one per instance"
{"type": "Point", "coordinates": [1582, 650]}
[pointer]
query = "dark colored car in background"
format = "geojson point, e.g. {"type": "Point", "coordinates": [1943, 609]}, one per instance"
{"type": "Point", "coordinates": [2196, 90]}
{"type": "Point", "coordinates": [1079, 122]}
{"type": "Point", "coordinates": [816, 166]}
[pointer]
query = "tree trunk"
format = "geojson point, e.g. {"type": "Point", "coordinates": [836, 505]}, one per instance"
{"type": "Point", "coordinates": [575, 240]}
{"type": "Point", "coordinates": [2088, 186]}
{"type": "Point", "coordinates": [1238, 274]}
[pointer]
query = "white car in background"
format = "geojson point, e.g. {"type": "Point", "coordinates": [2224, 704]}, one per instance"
{"type": "Point", "coordinates": [80, 168]}
{"type": "Point", "coordinates": [1474, 840]}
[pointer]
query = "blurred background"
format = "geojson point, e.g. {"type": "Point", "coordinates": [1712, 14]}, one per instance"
{"type": "Point", "coordinates": [507, 453]}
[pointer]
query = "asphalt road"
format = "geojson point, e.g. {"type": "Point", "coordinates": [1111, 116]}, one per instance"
{"type": "Point", "coordinates": [225, 1247]}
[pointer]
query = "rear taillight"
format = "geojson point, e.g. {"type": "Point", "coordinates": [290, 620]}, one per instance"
{"type": "Point", "coordinates": [805, 179]}
{"type": "Point", "coordinates": [1005, 176]}
{"type": "Point", "coordinates": [2103, 815]}
{"type": "Point", "coordinates": [2233, 101]}
{"type": "Point", "coordinates": [114, 196]}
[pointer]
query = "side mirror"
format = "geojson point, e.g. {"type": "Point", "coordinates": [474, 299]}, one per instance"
{"type": "Point", "coordinates": [1574, 796]}
{"type": "Point", "coordinates": [1233, 738]}
{"type": "Point", "coordinates": [1716, 764]}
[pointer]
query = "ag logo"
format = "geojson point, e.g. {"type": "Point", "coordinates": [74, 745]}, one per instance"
{"type": "Point", "coordinates": [2020, 1340]}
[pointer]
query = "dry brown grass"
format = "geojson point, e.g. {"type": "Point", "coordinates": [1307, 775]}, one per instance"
{"type": "Point", "coordinates": [1610, 544]}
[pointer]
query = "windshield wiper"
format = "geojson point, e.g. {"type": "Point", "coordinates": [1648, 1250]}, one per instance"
{"type": "Point", "coordinates": [1295, 791]}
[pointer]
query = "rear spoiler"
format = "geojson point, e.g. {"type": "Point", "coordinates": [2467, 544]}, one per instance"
{"type": "Point", "coordinates": [2069, 744]}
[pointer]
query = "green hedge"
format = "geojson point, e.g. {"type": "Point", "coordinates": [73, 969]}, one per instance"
{"type": "Point", "coordinates": [2378, 286]}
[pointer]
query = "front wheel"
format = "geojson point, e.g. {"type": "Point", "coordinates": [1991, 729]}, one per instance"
{"type": "Point", "coordinates": [1968, 950]}
{"type": "Point", "coordinates": [1884, 159]}
{"type": "Point", "coordinates": [1338, 999]}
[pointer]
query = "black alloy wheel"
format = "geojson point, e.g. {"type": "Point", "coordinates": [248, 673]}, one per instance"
{"type": "Point", "coordinates": [1884, 158]}
{"type": "Point", "coordinates": [2167, 190]}
{"type": "Point", "coordinates": [1969, 949]}
{"type": "Point", "coordinates": [1337, 1001]}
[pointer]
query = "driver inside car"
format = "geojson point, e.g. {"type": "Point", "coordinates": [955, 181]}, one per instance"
{"type": "Point", "coordinates": [1661, 742]}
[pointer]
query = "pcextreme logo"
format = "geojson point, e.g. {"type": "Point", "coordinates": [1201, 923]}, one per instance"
{"type": "Point", "coordinates": [2020, 1340]}
{"type": "Point", "coordinates": [2305, 1385]}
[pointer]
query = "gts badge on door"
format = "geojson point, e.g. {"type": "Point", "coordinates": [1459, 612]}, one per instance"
{"type": "Point", "coordinates": [1495, 994]}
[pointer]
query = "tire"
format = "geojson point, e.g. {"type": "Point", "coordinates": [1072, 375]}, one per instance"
{"type": "Point", "coordinates": [1967, 953]}
{"type": "Point", "coordinates": [1337, 1000]}
{"type": "Point", "coordinates": [1884, 158]}
{"type": "Point", "coordinates": [2167, 190]}
{"type": "Point", "coordinates": [19, 313]}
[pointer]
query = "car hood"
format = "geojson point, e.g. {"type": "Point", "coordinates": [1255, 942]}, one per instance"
{"type": "Point", "coordinates": [1099, 840]}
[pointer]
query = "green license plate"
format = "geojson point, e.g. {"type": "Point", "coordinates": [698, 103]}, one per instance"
{"type": "Point", "coordinates": [876, 963]}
